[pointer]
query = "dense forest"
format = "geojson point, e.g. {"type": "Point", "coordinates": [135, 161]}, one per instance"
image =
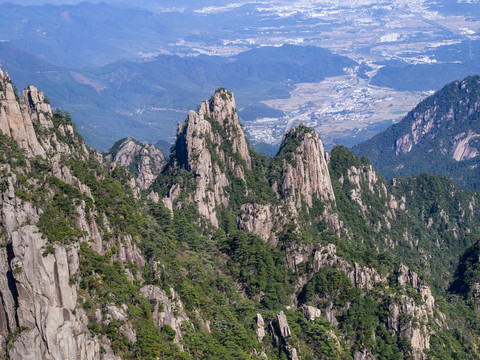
{"type": "Point", "coordinates": [228, 254]}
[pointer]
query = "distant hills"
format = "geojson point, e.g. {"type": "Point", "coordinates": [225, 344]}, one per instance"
{"type": "Point", "coordinates": [455, 62]}
{"type": "Point", "coordinates": [441, 135]}
{"type": "Point", "coordinates": [79, 35]}
{"type": "Point", "coordinates": [147, 98]}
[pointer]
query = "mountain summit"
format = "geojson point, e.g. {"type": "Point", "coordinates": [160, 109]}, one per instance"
{"type": "Point", "coordinates": [441, 135]}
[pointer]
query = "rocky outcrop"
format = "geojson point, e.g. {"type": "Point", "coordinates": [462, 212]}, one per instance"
{"type": "Point", "coordinates": [462, 146]}
{"type": "Point", "coordinates": [212, 147]}
{"type": "Point", "coordinates": [41, 316]}
{"type": "Point", "coordinates": [167, 310]}
{"type": "Point", "coordinates": [281, 333]}
{"type": "Point", "coordinates": [15, 119]}
{"type": "Point", "coordinates": [301, 178]}
{"type": "Point", "coordinates": [260, 328]}
{"type": "Point", "coordinates": [360, 276]}
{"type": "Point", "coordinates": [24, 118]}
{"type": "Point", "coordinates": [39, 305]}
{"type": "Point", "coordinates": [145, 161]}
{"type": "Point", "coordinates": [409, 317]}
{"type": "Point", "coordinates": [259, 219]}
{"type": "Point", "coordinates": [305, 174]}
{"type": "Point", "coordinates": [311, 312]}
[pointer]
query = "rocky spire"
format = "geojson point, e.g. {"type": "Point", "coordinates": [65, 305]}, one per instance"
{"type": "Point", "coordinates": [15, 115]}
{"type": "Point", "coordinates": [305, 176]}
{"type": "Point", "coordinates": [29, 121]}
{"type": "Point", "coordinates": [212, 146]}
{"type": "Point", "coordinates": [305, 173]}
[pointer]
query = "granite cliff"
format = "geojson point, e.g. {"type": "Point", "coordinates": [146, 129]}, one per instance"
{"type": "Point", "coordinates": [144, 161]}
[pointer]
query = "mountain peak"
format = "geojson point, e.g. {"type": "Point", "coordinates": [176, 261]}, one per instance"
{"type": "Point", "coordinates": [144, 161]}
{"type": "Point", "coordinates": [305, 172]}
{"type": "Point", "coordinates": [212, 146]}
{"type": "Point", "coordinates": [440, 133]}
{"type": "Point", "coordinates": [30, 122]}
{"type": "Point", "coordinates": [221, 109]}
{"type": "Point", "coordinates": [36, 101]}
{"type": "Point", "coordinates": [15, 119]}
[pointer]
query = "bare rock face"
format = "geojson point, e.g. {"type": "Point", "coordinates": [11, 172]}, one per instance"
{"type": "Point", "coordinates": [21, 118]}
{"type": "Point", "coordinates": [15, 120]}
{"type": "Point", "coordinates": [167, 310]}
{"type": "Point", "coordinates": [360, 276]}
{"type": "Point", "coordinates": [409, 318]}
{"type": "Point", "coordinates": [282, 325]}
{"type": "Point", "coordinates": [145, 161]}
{"type": "Point", "coordinates": [303, 179]}
{"type": "Point", "coordinates": [311, 312]}
{"type": "Point", "coordinates": [38, 302]}
{"type": "Point", "coordinates": [462, 146]}
{"type": "Point", "coordinates": [211, 145]}
{"type": "Point", "coordinates": [40, 317]}
{"type": "Point", "coordinates": [305, 175]}
{"type": "Point", "coordinates": [259, 219]}
{"type": "Point", "coordinates": [281, 333]}
{"type": "Point", "coordinates": [260, 328]}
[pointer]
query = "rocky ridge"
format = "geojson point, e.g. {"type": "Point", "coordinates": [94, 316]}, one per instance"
{"type": "Point", "coordinates": [92, 270]}
{"type": "Point", "coordinates": [38, 300]}
{"type": "Point", "coordinates": [303, 182]}
{"type": "Point", "coordinates": [41, 311]}
{"type": "Point", "coordinates": [441, 135]}
{"type": "Point", "coordinates": [213, 148]}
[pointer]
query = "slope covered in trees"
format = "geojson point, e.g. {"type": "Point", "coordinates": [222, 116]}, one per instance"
{"type": "Point", "coordinates": [228, 254]}
{"type": "Point", "coordinates": [439, 136]}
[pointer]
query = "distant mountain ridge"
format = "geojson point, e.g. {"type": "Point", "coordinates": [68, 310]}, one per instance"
{"type": "Point", "coordinates": [441, 135]}
{"type": "Point", "coordinates": [145, 99]}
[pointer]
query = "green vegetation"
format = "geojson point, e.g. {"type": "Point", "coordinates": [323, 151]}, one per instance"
{"type": "Point", "coordinates": [217, 279]}
{"type": "Point", "coordinates": [449, 116]}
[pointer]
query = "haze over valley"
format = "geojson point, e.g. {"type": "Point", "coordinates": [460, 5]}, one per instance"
{"type": "Point", "coordinates": [125, 76]}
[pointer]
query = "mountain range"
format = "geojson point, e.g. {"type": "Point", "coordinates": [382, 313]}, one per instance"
{"type": "Point", "coordinates": [227, 253]}
{"type": "Point", "coordinates": [119, 67]}
{"type": "Point", "coordinates": [145, 99]}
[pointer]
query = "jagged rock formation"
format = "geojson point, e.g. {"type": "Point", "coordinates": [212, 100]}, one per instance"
{"type": "Point", "coordinates": [311, 312]}
{"type": "Point", "coordinates": [281, 333]}
{"type": "Point", "coordinates": [305, 177]}
{"type": "Point", "coordinates": [41, 311]}
{"type": "Point", "coordinates": [144, 161]}
{"type": "Point", "coordinates": [39, 303]}
{"type": "Point", "coordinates": [260, 328]}
{"type": "Point", "coordinates": [90, 270]}
{"type": "Point", "coordinates": [15, 119]}
{"type": "Point", "coordinates": [172, 313]}
{"type": "Point", "coordinates": [299, 177]}
{"type": "Point", "coordinates": [360, 276]}
{"type": "Point", "coordinates": [212, 147]}
{"type": "Point", "coordinates": [439, 136]}
{"type": "Point", "coordinates": [409, 317]}
{"type": "Point", "coordinates": [305, 173]}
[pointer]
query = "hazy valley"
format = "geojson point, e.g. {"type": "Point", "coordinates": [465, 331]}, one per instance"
{"type": "Point", "coordinates": [400, 50]}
